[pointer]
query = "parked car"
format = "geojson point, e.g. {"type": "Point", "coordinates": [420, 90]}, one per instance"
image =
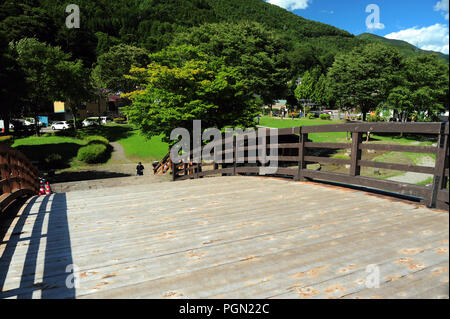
{"type": "Point", "coordinates": [106, 119]}
{"type": "Point", "coordinates": [61, 125]}
{"type": "Point", "coordinates": [91, 121]}
{"type": "Point", "coordinates": [19, 126]}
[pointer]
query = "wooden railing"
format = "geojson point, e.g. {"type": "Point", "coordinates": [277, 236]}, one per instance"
{"type": "Point", "coordinates": [163, 166]}
{"type": "Point", "coordinates": [295, 151]}
{"type": "Point", "coordinates": [18, 176]}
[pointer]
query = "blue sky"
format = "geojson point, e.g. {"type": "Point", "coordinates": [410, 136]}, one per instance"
{"type": "Point", "coordinates": [423, 23]}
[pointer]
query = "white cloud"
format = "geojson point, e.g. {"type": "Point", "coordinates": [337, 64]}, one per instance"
{"type": "Point", "coordinates": [442, 6]}
{"type": "Point", "coordinates": [291, 4]}
{"type": "Point", "coordinates": [433, 38]}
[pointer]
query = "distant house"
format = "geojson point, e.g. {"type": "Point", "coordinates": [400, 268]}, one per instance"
{"type": "Point", "coordinates": [100, 107]}
{"type": "Point", "coordinates": [279, 104]}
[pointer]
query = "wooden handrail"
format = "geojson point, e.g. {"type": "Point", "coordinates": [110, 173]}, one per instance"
{"type": "Point", "coordinates": [293, 148]}
{"type": "Point", "coordinates": [18, 177]}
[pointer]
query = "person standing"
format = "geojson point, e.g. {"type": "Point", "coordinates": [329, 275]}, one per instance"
{"type": "Point", "coordinates": [140, 169]}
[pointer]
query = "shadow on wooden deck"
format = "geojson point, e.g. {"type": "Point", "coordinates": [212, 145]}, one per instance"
{"type": "Point", "coordinates": [56, 236]}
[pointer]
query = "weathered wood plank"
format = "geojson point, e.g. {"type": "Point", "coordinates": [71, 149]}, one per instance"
{"type": "Point", "coordinates": [234, 237]}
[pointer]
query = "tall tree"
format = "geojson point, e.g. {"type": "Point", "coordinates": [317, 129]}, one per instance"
{"type": "Point", "coordinates": [45, 68]}
{"type": "Point", "coordinates": [76, 86]}
{"type": "Point", "coordinates": [255, 52]}
{"type": "Point", "coordinates": [364, 77]}
{"type": "Point", "coordinates": [112, 66]}
{"type": "Point", "coordinates": [188, 86]}
{"type": "Point", "coordinates": [12, 83]}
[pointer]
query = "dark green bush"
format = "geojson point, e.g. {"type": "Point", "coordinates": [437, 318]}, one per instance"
{"type": "Point", "coordinates": [96, 139]}
{"type": "Point", "coordinates": [7, 139]}
{"type": "Point", "coordinates": [325, 116]}
{"type": "Point", "coordinates": [54, 160]}
{"type": "Point", "coordinates": [93, 153]}
{"type": "Point", "coordinates": [120, 120]}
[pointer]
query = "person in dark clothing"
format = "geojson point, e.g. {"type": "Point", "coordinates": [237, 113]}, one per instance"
{"type": "Point", "coordinates": [140, 169]}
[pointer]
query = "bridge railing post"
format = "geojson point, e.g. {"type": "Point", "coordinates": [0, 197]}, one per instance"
{"type": "Point", "coordinates": [439, 178]}
{"type": "Point", "coordinates": [303, 137]}
{"type": "Point", "coordinates": [234, 155]}
{"type": "Point", "coordinates": [355, 169]}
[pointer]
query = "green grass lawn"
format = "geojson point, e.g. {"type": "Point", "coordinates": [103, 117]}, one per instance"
{"type": "Point", "coordinates": [138, 147]}
{"type": "Point", "coordinates": [285, 123]}
{"type": "Point", "coordinates": [67, 144]}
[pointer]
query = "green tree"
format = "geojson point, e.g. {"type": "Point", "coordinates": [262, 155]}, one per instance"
{"type": "Point", "coordinates": [364, 77]}
{"type": "Point", "coordinates": [12, 83]}
{"type": "Point", "coordinates": [46, 73]}
{"type": "Point", "coordinates": [76, 87]}
{"type": "Point", "coordinates": [319, 95]}
{"type": "Point", "coordinates": [255, 52]}
{"type": "Point", "coordinates": [427, 78]}
{"type": "Point", "coordinates": [112, 66]}
{"type": "Point", "coordinates": [401, 102]}
{"type": "Point", "coordinates": [174, 94]}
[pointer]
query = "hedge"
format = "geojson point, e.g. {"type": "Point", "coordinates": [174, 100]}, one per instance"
{"type": "Point", "coordinates": [7, 139]}
{"type": "Point", "coordinates": [93, 153]}
{"type": "Point", "coordinates": [95, 139]}
{"type": "Point", "coordinates": [325, 116]}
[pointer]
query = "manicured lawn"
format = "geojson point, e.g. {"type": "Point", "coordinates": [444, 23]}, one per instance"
{"type": "Point", "coordinates": [139, 147]}
{"type": "Point", "coordinates": [136, 146]}
{"type": "Point", "coordinates": [279, 123]}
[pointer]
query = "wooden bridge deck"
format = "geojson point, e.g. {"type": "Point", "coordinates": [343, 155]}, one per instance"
{"type": "Point", "coordinates": [226, 237]}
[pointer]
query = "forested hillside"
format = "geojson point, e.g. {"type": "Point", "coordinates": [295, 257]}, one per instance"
{"type": "Point", "coordinates": [403, 46]}
{"type": "Point", "coordinates": [152, 24]}
{"type": "Point", "coordinates": [228, 57]}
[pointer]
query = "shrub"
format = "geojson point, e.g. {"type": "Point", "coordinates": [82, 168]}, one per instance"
{"type": "Point", "coordinates": [325, 116]}
{"type": "Point", "coordinates": [93, 153]}
{"type": "Point", "coordinates": [95, 139]}
{"type": "Point", "coordinates": [54, 160]}
{"type": "Point", "coordinates": [120, 120]}
{"type": "Point", "coordinates": [311, 116]}
{"type": "Point", "coordinates": [8, 139]}
{"type": "Point", "coordinates": [295, 114]}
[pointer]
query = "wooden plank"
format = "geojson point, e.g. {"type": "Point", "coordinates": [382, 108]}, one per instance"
{"type": "Point", "coordinates": [401, 188]}
{"type": "Point", "coordinates": [317, 159]}
{"type": "Point", "coordinates": [232, 237]}
{"type": "Point", "coordinates": [399, 148]}
{"type": "Point", "coordinates": [419, 128]}
{"type": "Point", "coordinates": [328, 145]}
{"type": "Point", "coordinates": [289, 131]}
{"type": "Point", "coordinates": [8, 198]}
{"type": "Point", "coordinates": [397, 167]}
